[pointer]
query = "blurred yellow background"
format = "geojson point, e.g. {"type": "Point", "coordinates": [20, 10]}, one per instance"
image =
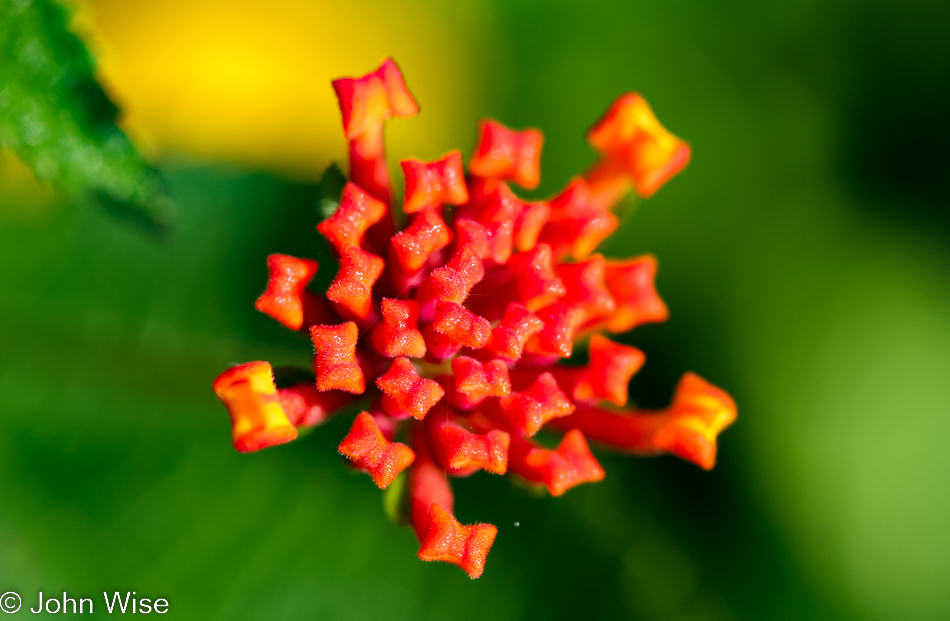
{"type": "Point", "coordinates": [249, 82]}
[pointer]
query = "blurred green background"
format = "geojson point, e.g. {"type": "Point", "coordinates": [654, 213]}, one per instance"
{"type": "Point", "coordinates": [804, 255]}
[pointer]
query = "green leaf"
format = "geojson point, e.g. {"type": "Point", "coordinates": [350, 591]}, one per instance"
{"type": "Point", "coordinates": [329, 190]}
{"type": "Point", "coordinates": [57, 119]}
{"type": "Point", "coordinates": [396, 501]}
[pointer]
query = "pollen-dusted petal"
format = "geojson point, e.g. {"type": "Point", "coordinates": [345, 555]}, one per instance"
{"type": "Point", "coordinates": [449, 541]}
{"type": "Point", "coordinates": [368, 101]}
{"type": "Point", "coordinates": [452, 282]}
{"type": "Point", "coordinates": [405, 393]}
{"type": "Point", "coordinates": [529, 410]}
{"type": "Point", "coordinates": [529, 225]}
{"type": "Point", "coordinates": [630, 282]}
{"type": "Point", "coordinates": [257, 420]}
{"type": "Point", "coordinates": [688, 428]}
{"type": "Point", "coordinates": [425, 234]}
{"type": "Point", "coordinates": [579, 236]}
{"type": "Point", "coordinates": [491, 241]}
{"type": "Point", "coordinates": [431, 185]}
{"type": "Point", "coordinates": [352, 289]}
{"type": "Point", "coordinates": [369, 450]}
{"type": "Point", "coordinates": [503, 153]}
{"type": "Point", "coordinates": [398, 334]}
{"type": "Point", "coordinates": [586, 287]}
{"type": "Point", "coordinates": [334, 360]}
{"type": "Point", "coordinates": [462, 452]}
{"type": "Point", "coordinates": [286, 298]}
{"type": "Point", "coordinates": [474, 380]}
{"type": "Point", "coordinates": [633, 144]}
{"type": "Point", "coordinates": [509, 337]}
{"type": "Point", "coordinates": [556, 338]}
{"type": "Point", "coordinates": [567, 466]}
{"type": "Point", "coordinates": [577, 224]}
{"type": "Point", "coordinates": [535, 280]}
{"type": "Point", "coordinates": [357, 212]}
{"type": "Point", "coordinates": [305, 406]}
{"type": "Point", "coordinates": [461, 325]}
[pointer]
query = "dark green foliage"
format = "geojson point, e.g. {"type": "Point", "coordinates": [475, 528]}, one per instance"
{"type": "Point", "coordinates": [56, 118]}
{"type": "Point", "coordinates": [330, 188]}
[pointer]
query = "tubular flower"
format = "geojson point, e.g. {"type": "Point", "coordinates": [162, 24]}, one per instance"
{"type": "Point", "coordinates": [453, 331]}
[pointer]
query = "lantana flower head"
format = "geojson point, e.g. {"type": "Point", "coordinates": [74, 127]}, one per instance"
{"type": "Point", "coordinates": [451, 333]}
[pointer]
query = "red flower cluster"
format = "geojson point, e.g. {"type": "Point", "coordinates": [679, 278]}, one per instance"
{"type": "Point", "coordinates": [454, 326]}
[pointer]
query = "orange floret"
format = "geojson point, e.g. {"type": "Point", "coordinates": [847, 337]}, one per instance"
{"type": "Point", "coordinates": [503, 153]}
{"type": "Point", "coordinates": [529, 224]}
{"type": "Point", "coordinates": [491, 241]}
{"type": "Point", "coordinates": [398, 334]}
{"type": "Point", "coordinates": [631, 283]}
{"type": "Point", "coordinates": [452, 282]}
{"type": "Point", "coordinates": [449, 541]}
{"type": "Point", "coordinates": [556, 339]}
{"type": "Point", "coordinates": [352, 289]}
{"type": "Point", "coordinates": [687, 429]}
{"type": "Point", "coordinates": [366, 103]}
{"type": "Point", "coordinates": [406, 394]}
{"type": "Point", "coordinates": [369, 450]}
{"type": "Point", "coordinates": [462, 452]}
{"type": "Point", "coordinates": [474, 381]}
{"type": "Point", "coordinates": [431, 185]}
{"type": "Point", "coordinates": [358, 211]}
{"type": "Point", "coordinates": [257, 420]}
{"type": "Point", "coordinates": [334, 360]}
{"type": "Point", "coordinates": [536, 281]}
{"type": "Point", "coordinates": [633, 146]}
{"type": "Point", "coordinates": [607, 374]}
{"type": "Point", "coordinates": [567, 466]}
{"type": "Point", "coordinates": [543, 401]}
{"type": "Point", "coordinates": [516, 328]}
{"type": "Point", "coordinates": [425, 234]}
{"type": "Point", "coordinates": [461, 325]}
{"type": "Point", "coordinates": [577, 224]}
{"type": "Point", "coordinates": [286, 298]}
{"type": "Point", "coordinates": [586, 287]}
